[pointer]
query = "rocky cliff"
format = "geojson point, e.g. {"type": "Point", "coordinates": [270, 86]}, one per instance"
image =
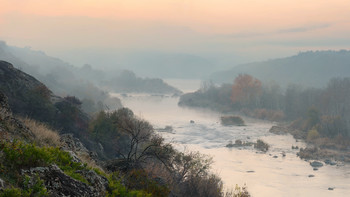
{"type": "Point", "coordinates": [29, 175]}
{"type": "Point", "coordinates": [26, 95]}
{"type": "Point", "coordinates": [10, 127]}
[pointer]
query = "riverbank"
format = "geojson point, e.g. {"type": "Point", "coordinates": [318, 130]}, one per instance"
{"type": "Point", "coordinates": [329, 150]}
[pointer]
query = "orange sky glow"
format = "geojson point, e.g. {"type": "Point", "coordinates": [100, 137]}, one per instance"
{"type": "Point", "coordinates": [176, 25]}
{"type": "Point", "coordinates": [226, 15]}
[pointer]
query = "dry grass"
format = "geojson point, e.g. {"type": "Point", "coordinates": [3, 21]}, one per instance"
{"type": "Point", "coordinates": [237, 192]}
{"type": "Point", "coordinates": [85, 158]}
{"type": "Point", "coordinates": [44, 136]}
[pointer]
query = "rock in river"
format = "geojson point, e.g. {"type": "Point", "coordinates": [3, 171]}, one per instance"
{"type": "Point", "coordinates": [330, 162]}
{"type": "Point", "coordinates": [316, 164]}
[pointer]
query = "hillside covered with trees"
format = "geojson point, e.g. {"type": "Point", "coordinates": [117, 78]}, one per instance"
{"type": "Point", "coordinates": [309, 69]}
{"type": "Point", "coordinates": [321, 115]}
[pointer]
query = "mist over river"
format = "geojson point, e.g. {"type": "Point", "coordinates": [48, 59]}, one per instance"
{"type": "Point", "coordinates": [263, 174]}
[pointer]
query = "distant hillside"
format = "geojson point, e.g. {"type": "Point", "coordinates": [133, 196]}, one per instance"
{"type": "Point", "coordinates": [86, 82]}
{"type": "Point", "coordinates": [312, 69]}
{"type": "Point", "coordinates": [128, 82]}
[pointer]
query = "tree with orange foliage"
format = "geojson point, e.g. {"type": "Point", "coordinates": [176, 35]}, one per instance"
{"type": "Point", "coordinates": [246, 90]}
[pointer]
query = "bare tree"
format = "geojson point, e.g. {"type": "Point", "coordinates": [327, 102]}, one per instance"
{"type": "Point", "coordinates": [141, 142]}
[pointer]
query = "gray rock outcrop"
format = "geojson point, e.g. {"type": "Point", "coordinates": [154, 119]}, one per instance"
{"type": "Point", "coordinates": [58, 183]}
{"type": "Point", "coordinates": [71, 143]}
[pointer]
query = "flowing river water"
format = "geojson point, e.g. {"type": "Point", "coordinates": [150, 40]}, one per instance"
{"type": "Point", "coordinates": [262, 173]}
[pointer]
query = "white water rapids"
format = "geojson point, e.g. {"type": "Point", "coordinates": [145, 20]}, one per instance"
{"type": "Point", "coordinates": [263, 174]}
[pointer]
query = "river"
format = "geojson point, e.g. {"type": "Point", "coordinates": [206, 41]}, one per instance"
{"type": "Point", "coordinates": [262, 173]}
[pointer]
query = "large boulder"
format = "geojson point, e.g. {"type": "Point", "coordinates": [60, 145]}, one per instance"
{"type": "Point", "coordinates": [99, 183]}
{"type": "Point", "coordinates": [58, 183]}
{"type": "Point", "coordinates": [71, 143]}
{"type": "Point", "coordinates": [316, 164]}
{"type": "Point", "coordinates": [75, 147]}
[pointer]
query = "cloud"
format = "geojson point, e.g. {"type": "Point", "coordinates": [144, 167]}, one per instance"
{"type": "Point", "coordinates": [304, 28]}
{"type": "Point", "coordinates": [243, 35]}
{"type": "Point", "coordinates": [300, 29]}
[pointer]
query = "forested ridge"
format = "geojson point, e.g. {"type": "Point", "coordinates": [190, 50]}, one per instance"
{"type": "Point", "coordinates": [317, 112]}
{"type": "Point", "coordinates": [307, 68]}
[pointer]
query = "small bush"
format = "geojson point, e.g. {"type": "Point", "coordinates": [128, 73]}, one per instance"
{"type": "Point", "coordinates": [261, 145]}
{"type": "Point", "coordinates": [18, 155]}
{"type": "Point", "coordinates": [232, 120]}
{"type": "Point", "coordinates": [209, 185]}
{"type": "Point", "coordinates": [312, 134]}
{"type": "Point", "coordinates": [34, 188]}
{"type": "Point", "coordinates": [12, 192]}
{"type": "Point", "coordinates": [237, 192]}
{"type": "Point", "coordinates": [239, 143]}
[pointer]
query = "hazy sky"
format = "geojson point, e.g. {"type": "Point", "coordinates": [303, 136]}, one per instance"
{"type": "Point", "coordinates": [246, 29]}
